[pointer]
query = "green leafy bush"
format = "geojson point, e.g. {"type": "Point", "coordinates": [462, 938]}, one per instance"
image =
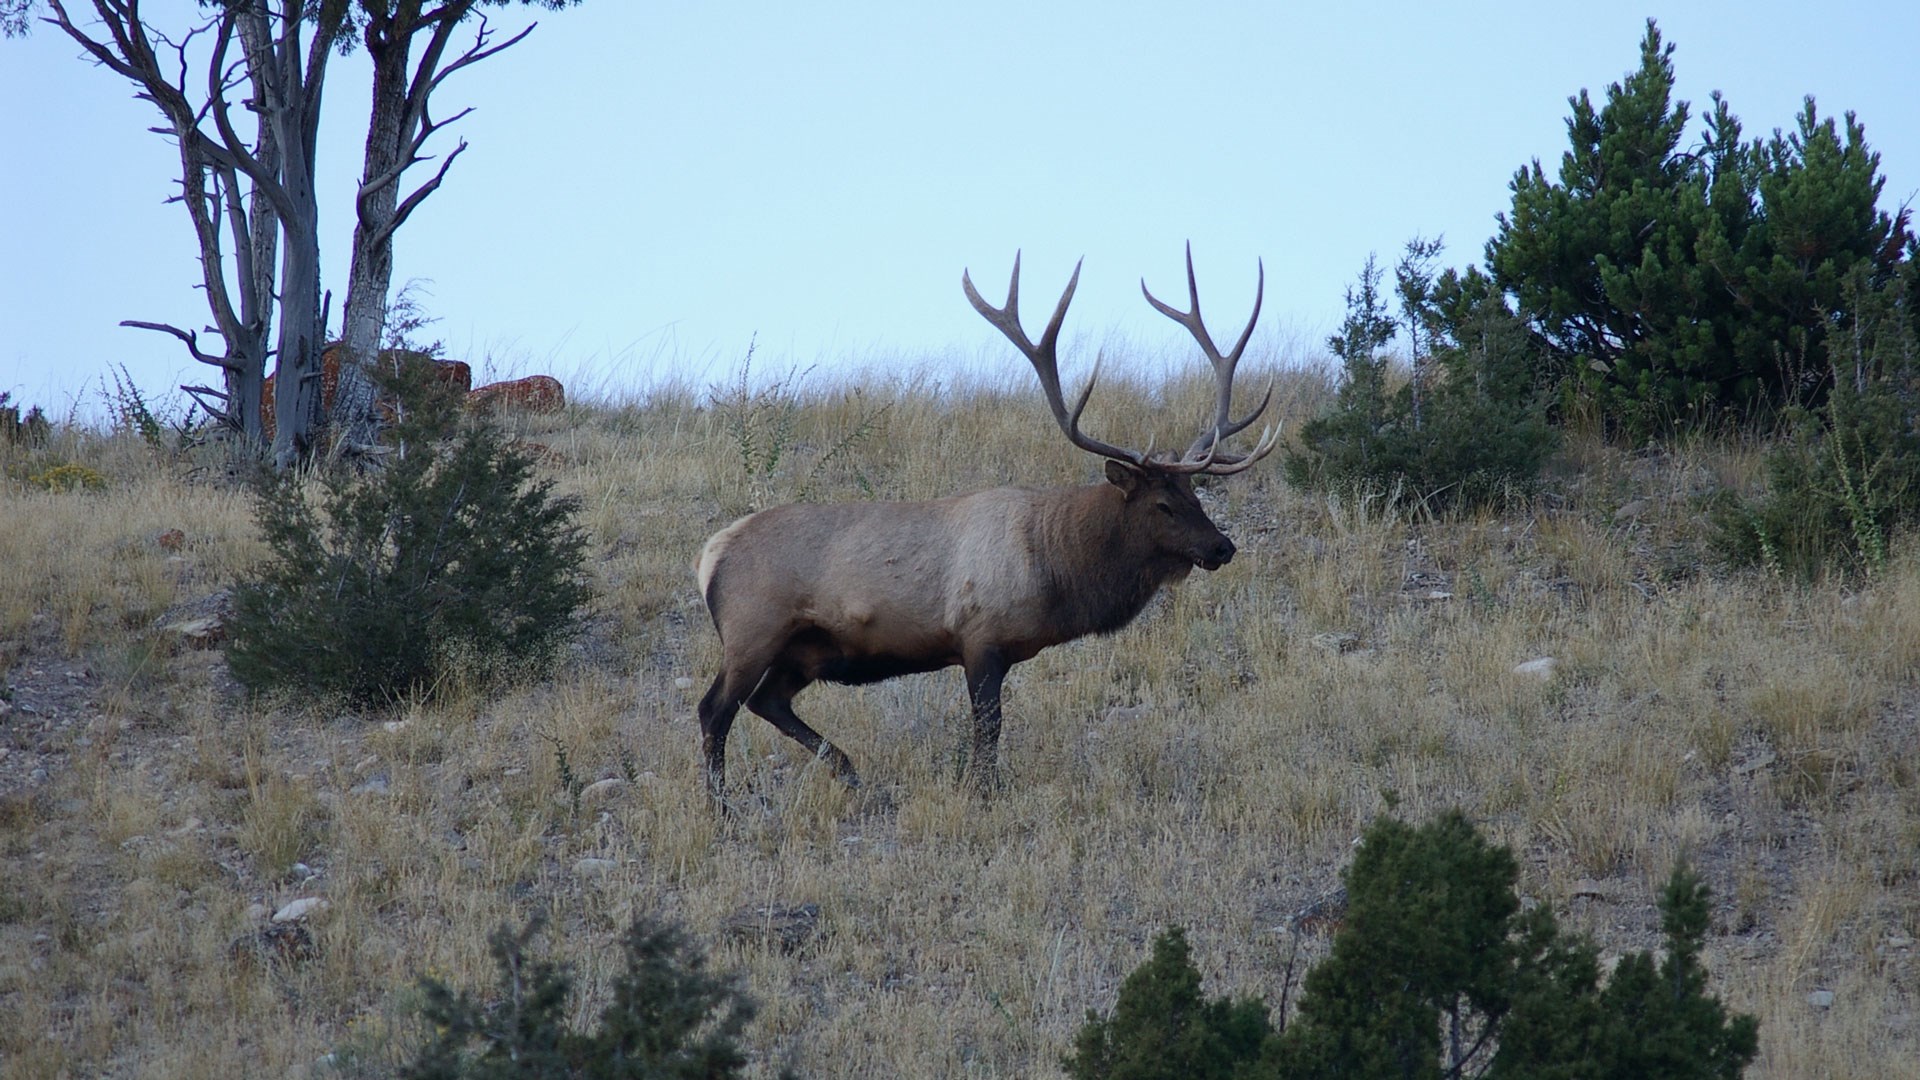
{"type": "Point", "coordinates": [1437, 972]}
{"type": "Point", "coordinates": [1847, 477]}
{"type": "Point", "coordinates": [1164, 1028]}
{"type": "Point", "coordinates": [449, 559]}
{"type": "Point", "coordinates": [670, 1019]}
{"type": "Point", "coordinates": [1467, 428]}
{"type": "Point", "coordinates": [1691, 284]}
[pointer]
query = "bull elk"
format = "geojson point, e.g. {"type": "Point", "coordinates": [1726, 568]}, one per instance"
{"type": "Point", "coordinates": [860, 592]}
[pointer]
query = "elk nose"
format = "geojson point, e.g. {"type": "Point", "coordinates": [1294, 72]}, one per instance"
{"type": "Point", "coordinates": [1223, 554]}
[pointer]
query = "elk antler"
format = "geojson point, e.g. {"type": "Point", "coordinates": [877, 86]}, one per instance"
{"type": "Point", "coordinates": [1223, 426]}
{"type": "Point", "coordinates": [1045, 363]}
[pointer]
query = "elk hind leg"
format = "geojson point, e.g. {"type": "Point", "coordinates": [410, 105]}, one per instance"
{"type": "Point", "coordinates": [738, 680]}
{"type": "Point", "coordinates": [773, 702]}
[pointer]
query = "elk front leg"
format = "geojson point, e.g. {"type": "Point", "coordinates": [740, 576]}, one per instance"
{"type": "Point", "coordinates": [985, 674]}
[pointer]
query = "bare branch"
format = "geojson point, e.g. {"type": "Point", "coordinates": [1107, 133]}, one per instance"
{"type": "Point", "coordinates": [427, 78]}
{"type": "Point", "coordinates": [413, 156]}
{"type": "Point", "coordinates": [419, 195]}
{"type": "Point", "coordinates": [192, 339]}
{"type": "Point", "coordinates": [208, 391]}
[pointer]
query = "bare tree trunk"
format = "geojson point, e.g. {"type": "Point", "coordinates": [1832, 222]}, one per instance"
{"type": "Point", "coordinates": [290, 78]}
{"type": "Point", "coordinates": [397, 132]}
{"type": "Point", "coordinates": [370, 276]}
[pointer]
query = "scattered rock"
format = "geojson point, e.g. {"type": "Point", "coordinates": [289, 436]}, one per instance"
{"type": "Point", "coordinates": [1821, 999]}
{"type": "Point", "coordinates": [300, 909]}
{"type": "Point", "coordinates": [1589, 889]}
{"type": "Point", "coordinates": [1123, 714]}
{"type": "Point", "coordinates": [1336, 643]}
{"type": "Point", "coordinates": [395, 727]}
{"type": "Point", "coordinates": [1322, 916]}
{"type": "Point", "coordinates": [205, 632]}
{"type": "Point", "coordinates": [199, 623]}
{"type": "Point", "coordinates": [602, 790]}
{"type": "Point", "coordinates": [683, 683]}
{"type": "Point", "coordinates": [1541, 668]}
{"type": "Point", "coordinates": [377, 784]}
{"type": "Point", "coordinates": [258, 912]}
{"type": "Point", "coordinates": [1433, 596]}
{"type": "Point", "coordinates": [774, 925]}
{"type": "Point", "coordinates": [287, 943]}
{"type": "Point", "coordinates": [1754, 764]}
{"type": "Point", "coordinates": [593, 868]}
{"type": "Point", "coordinates": [1632, 510]}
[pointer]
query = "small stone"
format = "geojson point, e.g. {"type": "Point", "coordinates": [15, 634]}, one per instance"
{"type": "Point", "coordinates": [1539, 668]}
{"type": "Point", "coordinates": [1124, 714]}
{"type": "Point", "coordinates": [373, 785]}
{"type": "Point", "coordinates": [683, 683]}
{"type": "Point", "coordinates": [1632, 510]}
{"type": "Point", "coordinates": [602, 790]}
{"type": "Point", "coordinates": [258, 912]}
{"type": "Point", "coordinates": [202, 633]}
{"type": "Point", "coordinates": [1589, 889]}
{"type": "Point", "coordinates": [185, 828]}
{"type": "Point", "coordinates": [1759, 761]}
{"type": "Point", "coordinates": [300, 909]}
{"type": "Point", "coordinates": [778, 925]}
{"type": "Point", "coordinates": [395, 727]}
{"type": "Point", "coordinates": [1336, 643]}
{"type": "Point", "coordinates": [1821, 999]}
{"type": "Point", "coordinates": [593, 868]}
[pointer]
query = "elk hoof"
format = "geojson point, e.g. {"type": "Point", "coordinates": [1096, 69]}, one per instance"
{"type": "Point", "coordinates": [986, 782]}
{"type": "Point", "coordinates": [841, 764]}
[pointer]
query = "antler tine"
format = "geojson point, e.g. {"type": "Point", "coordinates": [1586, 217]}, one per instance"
{"type": "Point", "coordinates": [1224, 364]}
{"type": "Point", "coordinates": [1044, 360]}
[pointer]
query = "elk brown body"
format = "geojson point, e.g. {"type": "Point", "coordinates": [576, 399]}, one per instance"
{"type": "Point", "coordinates": [861, 592]}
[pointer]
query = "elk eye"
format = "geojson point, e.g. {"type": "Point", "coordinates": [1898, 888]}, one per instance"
{"type": "Point", "coordinates": [1167, 509]}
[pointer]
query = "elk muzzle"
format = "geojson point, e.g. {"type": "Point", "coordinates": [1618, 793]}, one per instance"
{"type": "Point", "coordinates": [1216, 555]}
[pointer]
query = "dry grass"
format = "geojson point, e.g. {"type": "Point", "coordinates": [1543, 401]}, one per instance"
{"type": "Point", "coordinates": [1208, 766]}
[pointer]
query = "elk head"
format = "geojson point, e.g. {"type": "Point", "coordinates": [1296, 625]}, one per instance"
{"type": "Point", "coordinates": [1165, 525]}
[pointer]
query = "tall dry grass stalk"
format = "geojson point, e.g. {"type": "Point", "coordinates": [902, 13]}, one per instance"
{"type": "Point", "coordinates": [1209, 766]}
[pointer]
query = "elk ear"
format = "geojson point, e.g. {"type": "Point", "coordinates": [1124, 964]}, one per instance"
{"type": "Point", "coordinates": [1127, 478]}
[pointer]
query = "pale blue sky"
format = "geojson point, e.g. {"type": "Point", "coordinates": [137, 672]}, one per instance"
{"type": "Point", "coordinates": [649, 185]}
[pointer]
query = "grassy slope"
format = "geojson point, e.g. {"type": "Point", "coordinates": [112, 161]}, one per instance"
{"type": "Point", "coordinates": [1208, 766]}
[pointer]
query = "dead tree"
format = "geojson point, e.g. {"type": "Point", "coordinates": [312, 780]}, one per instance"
{"type": "Point", "coordinates": [398, 130]}
{"type": "Point", "coordinates": [249, 193]}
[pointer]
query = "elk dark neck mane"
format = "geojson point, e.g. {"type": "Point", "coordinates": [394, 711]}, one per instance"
{"type": "Point", "coordinates": [1101, 575]}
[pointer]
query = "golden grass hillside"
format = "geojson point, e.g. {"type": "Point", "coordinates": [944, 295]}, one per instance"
{"type": "Point", "coordinates": [1208, 766]}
